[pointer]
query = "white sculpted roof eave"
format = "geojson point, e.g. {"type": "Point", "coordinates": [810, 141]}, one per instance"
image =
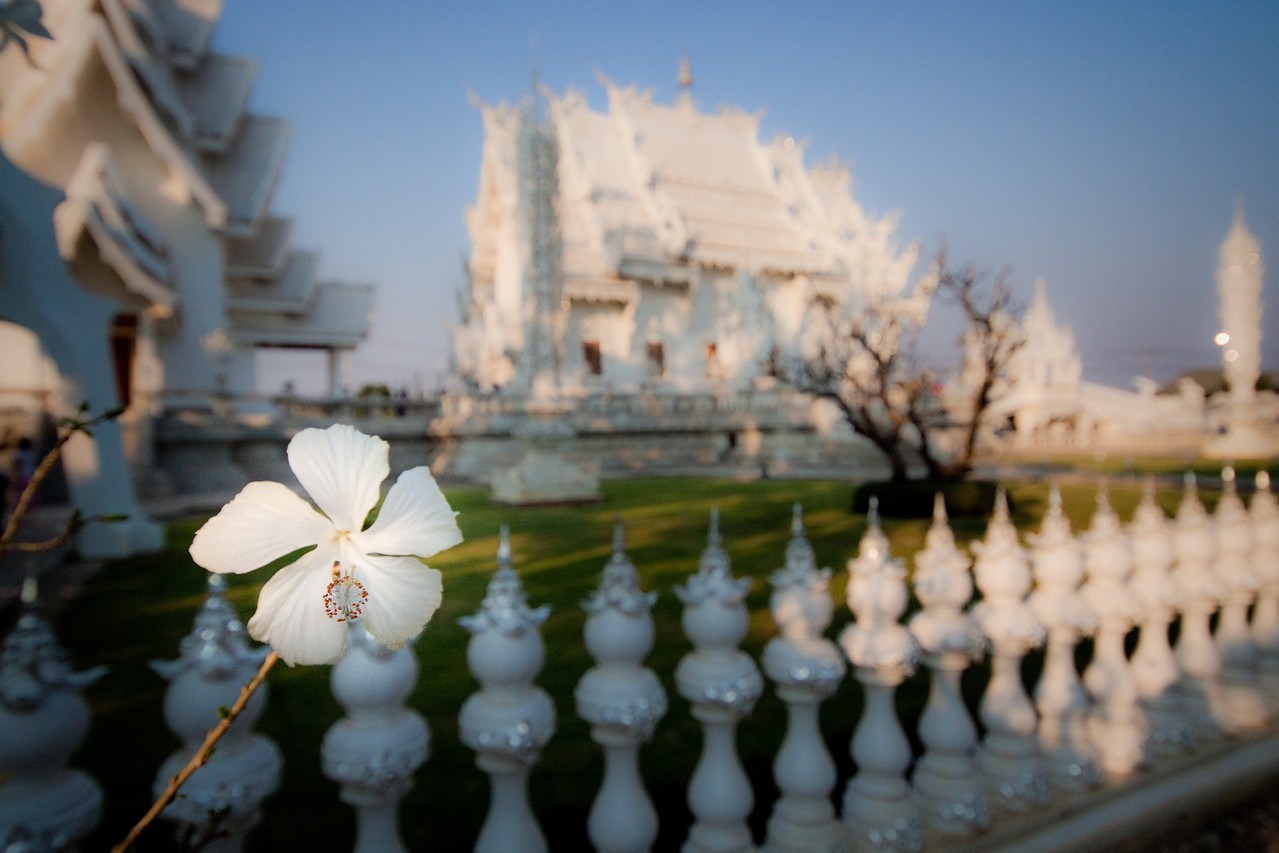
{"type": "Point", "coordinates": [339, 319]}
{"type": "Point", "coordinates": [36, 98]}
{"type": "Point", "coordinates": [246, 174]}
{"type": "Point", "coordinates": [292, 292]}
{"type": "Point", "coordinates": [97, 213]}
{"type": "Point", "coordinates": [187, 27]}
{"type": "Point", "coordinates": [217, 94]}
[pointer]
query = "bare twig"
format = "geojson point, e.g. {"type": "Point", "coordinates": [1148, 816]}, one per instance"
{"type": "Point", "coordinates": [201, 756]}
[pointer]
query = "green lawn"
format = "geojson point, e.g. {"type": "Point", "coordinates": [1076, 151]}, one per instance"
{"type": "Point", "coordinates": [137, 610]}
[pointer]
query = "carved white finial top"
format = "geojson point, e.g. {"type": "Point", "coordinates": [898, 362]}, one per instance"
{"type": "Point", "coordinates": [713, 578]}
{"type": "Point", "coordinates": [218, 645]}
{"type": "Point", "coordinates": [505, 605]}
{"type": "Point", "coordinates": [619, 586]}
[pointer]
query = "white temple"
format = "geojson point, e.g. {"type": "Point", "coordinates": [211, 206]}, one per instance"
{"type": "Point", "coordinates": [685, 250]}
{"type": "Point", "coordinates": [168, 181]}
{"type": "Point", "coordinates": [141, 264]}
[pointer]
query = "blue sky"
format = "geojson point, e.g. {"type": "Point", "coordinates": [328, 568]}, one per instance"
{"type": "Point", "coordinates": [1099, 145]}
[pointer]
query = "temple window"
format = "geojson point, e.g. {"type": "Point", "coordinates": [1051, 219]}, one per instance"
{"type": "Point", "coordinates": [657, 359]}
{"type": "Point", "coordinates": [594, 360]}
{"type": "Point", "coordinates": [711, 363]}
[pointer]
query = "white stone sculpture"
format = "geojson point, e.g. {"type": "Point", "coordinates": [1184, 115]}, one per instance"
{"type": "Point", "coordinates": [1154, 666]}
{"type": "Point", "coordinates": [1016, 776]}
{"type": "Point", "coordinates": [510, 719]}
{"type": "Point", "coordinates": [1234, 567]}
{"type": "Point", "coordinates": [374, 750]}
{"type": "Point", "coordinates": [623, 701]}
{"type": "Point", "coordinates": [1202, 593]}
{"type": "Point", "coordinates": [878, 808]}
{"type": "Point", "coordinates": [722, 684]}
{"type": "Point", "coordinates": [947, 786]}
{"type": "Point", "coordinates": [1063, 704]}
{"type": "Point", "coordinates": [44, 805]}
{"type": "Point", "coordinates": [221, 803]}
{"type": "Point", "coordinates": [1264, 512]}
{"type": "Point", "coordinates": [1117, 727]}
{"type": "Point", "coordinates": [807, 669]}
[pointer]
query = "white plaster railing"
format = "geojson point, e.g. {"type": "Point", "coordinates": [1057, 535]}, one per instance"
{"type": "Point", "coordinates": [1073, 761]}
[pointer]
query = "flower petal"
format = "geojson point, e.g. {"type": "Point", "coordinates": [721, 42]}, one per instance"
{"type": "Point", "coordinates": [342, 469]}
{"type": "Point", "coordinates": [403, 596]}
{"type": "Point", "coordinates": [414, 519]}
{"type": "Point", "coordinates": [262, 523]}
{"type": "Point", "coordinates": [290, 615]}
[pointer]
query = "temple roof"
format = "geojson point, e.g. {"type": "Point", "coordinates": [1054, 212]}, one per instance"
{"type": "Point", "coordinates": [649, 190]}
{"type": "Point", "coordinates": [339, 317]}
{"type": "Point", "coordinates": [291, 292]}
{"type": "Point", "coordinates": [245, 174]}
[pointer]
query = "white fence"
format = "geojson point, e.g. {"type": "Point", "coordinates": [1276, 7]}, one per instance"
{"type": "Point", "coordinates": [1076, 760]}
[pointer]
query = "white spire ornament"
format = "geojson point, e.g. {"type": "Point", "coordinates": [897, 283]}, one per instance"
{"type": "Point", "coordinates": [807, 669]}
{"type": "Point", "coordinates": [1117, 726]}
{"type": "Point", "coordinates": [221, 801]}
{"type": "Point", "coordinates": [878, 809]}
{"type": "Point", "coordinates": [1264, 512]}
{"type": "Point", "coordinates": [1016, 776]}
{"type": "Point", "coordinates": [947, 786]}
{"type": "Point", "coordinates": [510, 719]}
{"type": "Point", "coordinates": [1201, 593]}
{"type": "Point", "coordinates": [1154, 666]}
{"type": "Point", "coordinates": [722, 684]}
{"type": "Point", "coordinates": [1060, 697]}
{"type": "Point", "coordinates": [1239, 656]}
{"type": "Point", "coordinates": [623, 701]}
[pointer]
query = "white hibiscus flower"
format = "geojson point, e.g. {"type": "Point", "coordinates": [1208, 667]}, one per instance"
{"type": "Point", "coordinates": [348, 573]}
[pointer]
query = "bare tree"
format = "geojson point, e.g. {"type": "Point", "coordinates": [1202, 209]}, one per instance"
{"type": "Point", "coordinates": [866, 364]}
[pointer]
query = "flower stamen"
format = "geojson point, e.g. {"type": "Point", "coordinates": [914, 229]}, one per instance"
{"type": "Point", "coordinates": [344, 599]}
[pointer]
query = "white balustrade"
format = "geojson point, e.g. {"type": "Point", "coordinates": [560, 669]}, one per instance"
{"type": "Point", "coordinates": [1154, 666]}
{"type": "Point", "coordinates": [44, 804]}
{"type": "Point", "coordinates": [1241, 699]}
{"type": "Point", "coordinates": [947, 786]}
{"type": "Point", "coordinates": [1264, 512]}
{"type": "Point", "coordinates": [510, 719]}
{"type": "Point", "coordinates": [220, 802]}
{"type": "Point", "coordinates": [1010, 757]}
{"type": "Point", "coordinates": [722, 684]}
{"type": "Point", "coordinates": [1063, 705]}
{"type": "Point", "coordinates": [807, 669]}
{"type": "Point", "coordinates": [878, 808]}
{"type": "Point", "coordinates": [374, 750]}
{"type": "Point", "coordinates": [1201, 594]}
{"type": "Point", "coordinates": [623, 701]}
{"type": "Point", "coordinates": [1117, 726]}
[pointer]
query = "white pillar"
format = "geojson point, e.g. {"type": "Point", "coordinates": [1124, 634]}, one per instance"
{"type": "Point", "coordinates": [339, 372]}
{"type": "Point", "coordinates": [1117, 726]}
{"type": "Point", "coordinates": [1016, 776]}
{"type": "Point", "coordinates": [722, 684]}
{"type": "Point", "coordinates": [623, 701]}
{"type": "Point", "coordinates": [1239, 656]}
{"type": "Point", "coordinates": [1202, 593]}
{"type": "Point", "coordinates": [1060, 697]}
{"type": "Point", "coordinates": [878, 808]}
{"type": "Point", "coordinates": [374, 750]}
{"type": "Point", "coordinates": [1154, 666]}
{"type": "Point", "coordinates": [220, 803]}
{"type": "Point", "coordinates": [44, 805]}
{"type": "Point", "coordinates": [1264, 512]}
{"type": "Point", "coordinates": [947, 785]}
{"type": "Point", "coordinates": [510, 719]}
{"type": "Point", "coordinates": [807, 669]}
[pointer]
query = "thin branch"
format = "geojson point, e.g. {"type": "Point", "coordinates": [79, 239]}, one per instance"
{"type": "Point", "coordinates": [201, 756]}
